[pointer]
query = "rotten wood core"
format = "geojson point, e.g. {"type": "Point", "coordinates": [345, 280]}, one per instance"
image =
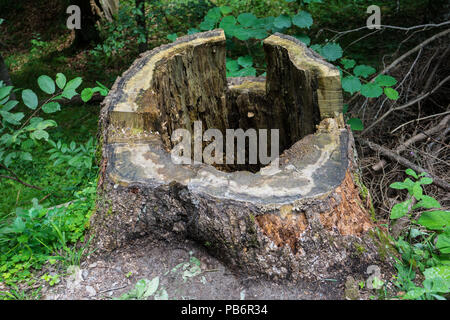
{"type": "Point", "coordinates": [186, 83]}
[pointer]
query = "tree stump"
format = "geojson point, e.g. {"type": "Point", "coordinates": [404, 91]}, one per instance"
{"type": "Point", "coordinates": [304, 220]}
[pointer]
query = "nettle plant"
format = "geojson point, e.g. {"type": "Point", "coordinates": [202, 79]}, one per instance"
{"type": "Point", "coordinates": [20, 133]}
{"type": "Point", "coordinates": [251, 30]}
{"type": "Point", "coordinates": [427, 245]}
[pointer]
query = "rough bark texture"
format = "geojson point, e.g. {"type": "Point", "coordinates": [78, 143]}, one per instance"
{"type": "Point", "coordinates": [304, 220]}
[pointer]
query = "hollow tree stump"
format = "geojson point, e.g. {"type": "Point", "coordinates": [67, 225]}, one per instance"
{"type": "Point", "coordinates": [304, 220]}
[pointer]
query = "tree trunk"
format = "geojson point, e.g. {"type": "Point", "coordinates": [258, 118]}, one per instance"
{"type": "Point", "coordinates": [88, 34]}
{"type": "Point", "coordinates": [302, 220]}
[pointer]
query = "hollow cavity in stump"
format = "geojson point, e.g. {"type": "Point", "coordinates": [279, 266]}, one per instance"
{"type": "Point", "coordinates": [302, 219]}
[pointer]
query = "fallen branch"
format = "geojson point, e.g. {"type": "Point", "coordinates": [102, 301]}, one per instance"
{"type": "Point", "coordinates": [419, 137]}
{"type": "Point", "coordinates": [394, 156]}
{"type": "Point", "coordinates": [16, 178]}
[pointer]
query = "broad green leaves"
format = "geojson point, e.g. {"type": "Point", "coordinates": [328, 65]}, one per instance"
{"type": "Point", "coordinates": [391, 93]}
{"type": "Point", "coordinates": [371, 90]}
{"type": "Point", "coordinates": [435, 220]}
{"type": "Point", "coordinates": [30, 99]}
{"type": "Point", "coordinates": [61, 80]}
{"type": "Point", "coordinates": [363, 71]}
{"type": "Point", "coordinates": [355, 124]}
{"type": "Point", "coordinates": [416, 191]}
{"type": "Point", "coordinates": [143, 289]}
{"type": "Point", "coordinates": [242, 67]}
{"type": "Point", "coordinates": [302, 19]}
{"type": "Point", "coordinates": [385, 81]}
{"type": "Point", "coordinates": [51, 107]}
{"type": "Point", "coordinates": [247, 19]}
{"type": "Point", "coordinates": [46, 84]}
{"type": "Point", "coordinates": [282, 22]}
{"type": "Point", "coordinates": [331, 51]}
{"type": "Point", "coordinates": [351, 84]}
{"type": "Point", "coordinates": [400, 209]}
{"type": "Point", "coordinates": [21, 132]}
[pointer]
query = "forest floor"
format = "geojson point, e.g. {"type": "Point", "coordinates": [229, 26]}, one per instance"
{"type": "Point", "coordinates": [104, 278]}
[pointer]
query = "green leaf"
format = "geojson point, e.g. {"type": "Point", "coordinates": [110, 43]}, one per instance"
{"type": "Point", "coordinates": [46, 124]}
{"type": "Point", "coordinates": [363, 71]}
{"type": "Point", "coordinates": [391, 93]}
{"type": "Point", "coordinates": [435, 220]}
{"type": "Point", "coordinates": [247, 19]}
{"type": "Point", "coordinates": [331, 51]}
{"type": "Point", "coordinates": [385, 81]}
{"type": "Point", "coordinates": [225, 10]}
{"type": "Point", "coordinates": [51, 107]}
{"type": "Point", "coordinates": [427, 202]}
{"type": "Point", "coordinates": [413, 294]}
{"type": "Point", "coordinates": [246, 61]}
{"type": "Point", "coordinates": [26, 156]}
{"type": "Point", "coordinates": [206, 25]}
{"type": "Point", "coordinates": [172, 37]}
{"type": "Point", "coordinates": [241, 33]}
{"type": "Point", "coordinates": [87, 94]}
{"type": "Point", "coordinates": [302, 19]}
{"type": "Point", "coordinates": [282, 21]}
{"type": "Point", "coordinates": [348, 63]}
{"type": "Point", "coordinates": [13, 118]}
{"type": "Point", "coordinates": [232, 65]}
{"type": "Point", "coordinates": [152, 286]}
{"type": "Point", "coordinates": [400, 209]}
{"type": "Point", "coordinates": [5, 91]}
{"type": "Point", "coordinates": [426, 180]}
{"type": "Point", "coordinates": [304, 38]}
{"type": "Point", "coordinates": [443, 242]}
{"type": "Point", "coordinates": [399, 186]}
{"type": "Point", "coordinates": [10, 105]}
{"type": "Point", "coordinates": [371, 90]}
{"type": "Point", "coordinates": [39, 134]}
{"type": "Point", "coordinates": [411, 172]}
{"type": "Point", "coordinates": [351, 84]}
{"type": "Point", "coordinates": [46, 84]}
{"type": "Point", "coordinates": [61, 80]}
{"type": "Point", "coordinates": [417, 191]}
{"type": "Point", "coordinates": [68, 93]}
{"type": "Point", "coordinates": [30, 99]}
{"type": "Point", "coordinates": [355, 124]}
{"type": "Point", "coordinates": [73, 84]}
{"type": "Point", "coordinates": [214, 15]}
{"type": "Point", "coordinates": [228, 24]}
{"type": "Point", "coordinates": [438, 272]}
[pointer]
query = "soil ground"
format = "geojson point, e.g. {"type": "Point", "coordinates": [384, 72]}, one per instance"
{"type": "Point", "coordinates": [104, 278]}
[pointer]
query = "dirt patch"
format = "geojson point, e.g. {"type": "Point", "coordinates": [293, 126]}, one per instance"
{"type": "Point", "coordinates": [108, 277]}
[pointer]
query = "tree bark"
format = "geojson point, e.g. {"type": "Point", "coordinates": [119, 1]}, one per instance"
{"type": "Point", "coordinates": [302, 220]}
